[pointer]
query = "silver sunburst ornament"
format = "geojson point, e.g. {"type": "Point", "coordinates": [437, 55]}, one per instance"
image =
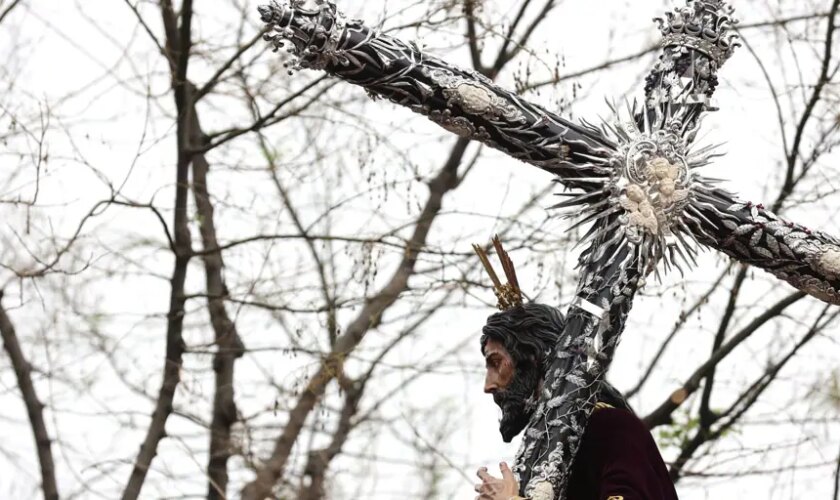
{"type": "Point", "coordinates": [652, 196]}
{"type": "Point", "coordinates": [653, 188]}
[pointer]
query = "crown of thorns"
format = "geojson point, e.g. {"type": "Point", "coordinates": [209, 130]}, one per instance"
{"type": "Point", "coordinates": [509, 294]}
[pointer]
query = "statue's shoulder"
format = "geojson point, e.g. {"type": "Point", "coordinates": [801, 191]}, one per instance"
{"type": "Point", "coordinates": [609, 422]}
{"type": "Point", "coordinates": [617, 453]}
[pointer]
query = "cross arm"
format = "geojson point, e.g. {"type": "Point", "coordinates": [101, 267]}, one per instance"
{"type": "Point", "coordinates": [471, 105]}
{"type": "Point", "coordinates": [809, 260]}
{"type": "Point", "coordinates": [461, 101]}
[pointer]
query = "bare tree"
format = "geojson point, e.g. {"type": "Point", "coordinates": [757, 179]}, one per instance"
{"type": "Point", "coordinates": [329, 314]}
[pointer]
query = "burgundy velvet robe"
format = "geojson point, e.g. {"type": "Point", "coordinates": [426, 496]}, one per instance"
{"type": "Point", "coordinates": [619, 460]}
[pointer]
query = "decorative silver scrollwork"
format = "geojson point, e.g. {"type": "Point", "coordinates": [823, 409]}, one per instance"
{"type": "Point", "coordinates": [702, 25]}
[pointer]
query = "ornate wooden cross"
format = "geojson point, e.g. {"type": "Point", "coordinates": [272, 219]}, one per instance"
{"type": "Point", "coordinates": [635, 180]}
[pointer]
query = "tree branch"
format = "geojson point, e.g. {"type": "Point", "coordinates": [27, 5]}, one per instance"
{"type": "Point", "coordinates": [271, 118]}
{"type": "Point", "coordinates": [506, 55]}
{"type": "Point", "coordinates": [683, 318]}
{"type": "Point", "coordinates": [229, 345]}
{"type": "Point", "coordinates": [787, 188]}
{"type": "Point", "coordinates": [146, 27]}
{"type": "Point", "coordinates": [837, 479]}
{"type": "Point", "coordinates": [183, 252]}
{"type": "Point", "coordinates": [8, 9]}
{"type": "Point", "coordinates": [746, 400]}
{"type": "Point", "coordinates": [329, 300]}
{"type": "Point", "coordinates": [472, 36]}
{"type": "Point", "coordinates": [368, 318]}
{"type": "Point", "coordinates": [34, 407]}
{"type": "Point", "coordinates": [706, 415]}
{"type": "Point", "coordinates": [214, 80]}
{"type": "Point", "coordinates": [318, 460]}
{"type": "Point", "coordinates": [512, 30]}
{"type": "Point", "coordinates": [662, 415]}
{"type": "Point", "coordinates": [654, 48]}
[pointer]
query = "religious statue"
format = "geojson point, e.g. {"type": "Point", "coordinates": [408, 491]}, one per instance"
{"type": "Point", "coordinates": [635, 179]}
{"type": "Point", "coordinates": [617, 458]}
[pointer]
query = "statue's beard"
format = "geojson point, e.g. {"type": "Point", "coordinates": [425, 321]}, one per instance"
{"type": "Point", "coordinates": [518, 401]}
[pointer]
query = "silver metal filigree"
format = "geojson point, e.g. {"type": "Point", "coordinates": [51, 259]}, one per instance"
{"type": "Point", "coordinates": [705, 26]}
{"type": "Point", "coordinates": [458, 125]}
{"type": "Point", "coordinates": [314, 33]}
{"type": "Point", "coordinates": [653, 186]}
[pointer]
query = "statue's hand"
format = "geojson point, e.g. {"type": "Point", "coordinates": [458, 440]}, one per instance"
{"type": "Point", "coordinates": [492, 488]}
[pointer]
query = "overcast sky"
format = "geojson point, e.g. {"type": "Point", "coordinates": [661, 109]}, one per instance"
{"type": "Point", "coordinates": [80, 59]}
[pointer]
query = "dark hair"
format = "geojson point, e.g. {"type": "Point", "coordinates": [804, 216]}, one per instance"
{"type": "Point", "coordinates": [529, 333]}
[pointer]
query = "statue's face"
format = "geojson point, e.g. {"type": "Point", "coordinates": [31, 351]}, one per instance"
{"type": "Point", "coordinates": [499, 367]}
{"type": "Point", "coordinates": [510, 387]}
